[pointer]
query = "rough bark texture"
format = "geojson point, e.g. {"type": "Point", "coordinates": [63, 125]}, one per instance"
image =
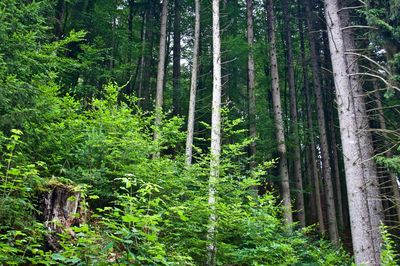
{"type": "Point", "coordinates": [326, 167]}
{"type": "Point", "coordinates": [161, 68]}
{"type": "Point", "coordinates": [193, 86]}
{"type": "Point", "coordinates": [215, 134]}
{"type": "Point", "coordinates": [362, 232]}
{"type": "Point", "coordinates": [279, 126]}
{"type": "Point", "coordinates": [61, 210]}
{"type": "Point", "coordinates": [176, 61]}
{"type": "Point", "coordinates": [251, 77]}
{"type": "Point", "coordinates": [293, 118]}
{"type": "Point", "coordinates": [365, 138]}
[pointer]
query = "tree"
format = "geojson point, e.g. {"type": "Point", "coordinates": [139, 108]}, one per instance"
{"type": "Point", "coordinates": [325, 158]}
{"type": "Point", "coordinates": [360, 220]}
{"type": "Point", "coordinates": [215, 134]}
{"type": "Point", "coordinates": [293, 116]}
{"type": "Point", "coordinates": [176, 61]}
{"type": "Point", "coordinates": [251, 77]}
{"type": "Point", "coordinates": [161, 68]}
{"type": "Point", "coordinates": [313, 172]}
{"type": "Point", "coordinates": [193, 86]}
{"type": "Point", "coordinates": [279, 126]}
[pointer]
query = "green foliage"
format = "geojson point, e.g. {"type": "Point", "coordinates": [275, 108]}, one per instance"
{"type": "Point", "coordinates": [153, 211]}
{"type": "Point", "coordinates": [388, 254]}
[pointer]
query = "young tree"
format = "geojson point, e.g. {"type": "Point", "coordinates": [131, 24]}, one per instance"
{"type": "Point", "coordinates": [251, 77]}
{"type": "Point", "coordinates": [161, 68]}
{"type": "Point", "coordinates": [215, 134]}
{"type": "Point", "coordinates": [176, 61]}
{"type": "Point", "coordinates": [193, 86]}
{"type": "Point", "coordinates": [293, 116]}
{"type": "Point", "coordinates": [360, 218]}
{"type": "Point", "coordinates": [279, 126]}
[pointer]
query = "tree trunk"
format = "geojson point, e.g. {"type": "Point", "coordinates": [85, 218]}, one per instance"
{"type": "Point", "coordinates": [161, 69]}
{"type": "Point", "coordinates": [360, 220]}
{"type": "Point", "coordinates": [251, 79]}
{"type": "Point", "coordinates": [176, 61]}
{"type": "Point", "coordinates": [293, 117]}
{"type": "Point", "coordinates": [193, 86]}
{"type": "Point", "coordinates": [215, 134]}
{"type": "Point", "coordinates": [335, 163]}
{"type": "Point", "coordinates": [313, 155]}
{"type": "Point", "coordinates": [365, 138]}
{"type": "Point", "coordinates": [276, 99]}
{"type": "Point", "coordinates": [61, 209]}
{"type": "Point", "coordinates": [326, 168]}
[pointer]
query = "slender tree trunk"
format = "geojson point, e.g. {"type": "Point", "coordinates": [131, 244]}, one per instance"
{"type": "Point", "coordinates": [176, 62]}
{"type": "Point", "coordinates": [276, 99]}
{"type": "Point", "coordinates": [215, 134]}
{"type": "Point", "coordinates": [335, 163]}
{"type": "Point", "coordinates": [148, 62]}
{"type": "Point", "coordinates": [161, 68]}
{"type": "Point", "coordinates": [326, 168]}
{"type": "Point", "coordinates": [293, 117]}
{"type": "Point", "coordinates": [251, 78]}
{"type": "Point", "coordinates": [131, 4]}
{"type": "Point", "coordinates": [193, 86]}
{"type": "Point", "coordinates": [360, 220]}
{"type": "Point", "coordinates": [313, 155]}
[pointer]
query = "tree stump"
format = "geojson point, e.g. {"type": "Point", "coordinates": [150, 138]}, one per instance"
{"type": "Point", "coordinates": [61, 206]}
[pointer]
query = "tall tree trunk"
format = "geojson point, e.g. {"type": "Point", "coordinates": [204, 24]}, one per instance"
{"type": "Point", "coordinates": [326, 167]}
{"type": "Point", "coordinates": [313, 155]}
{"type": "Point", "coordinates": [276, 99]}
{"type": "Point", "coordinates": [293, 117]}
{"type": "Point", "coordinates": [145, 87]}
{"type": "Point", "coordinates": [215, 134]}
{"type": "Point", "coordinates": [193, 86]}
{"type": "Point", "coordinates": [360, 219]}
{"type": "Point", "coordinates": [365, 138]}
{"type": "Point", "coordinates": [335, 163]}
{"type": "Point", "coordinates": [131, 4]}
{"type": "Point", "coordinates": [176, 62]}
{"type": "Point", "coordinates": [161, 68]}
{"type": "Point", "coordinates": [251, 79]}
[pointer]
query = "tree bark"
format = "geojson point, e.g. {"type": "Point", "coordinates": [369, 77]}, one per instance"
{"type": "Point", "coordinates": [365, 138]}
{"type": "Point", "coordinates": [251, 79]}
{"type": "Point", "coordinates": [360, 219]}
{"type": "Point", "coordinates": [161, 69]}
{"type": "Point", "coordinates": [293, 117]}
{"type": "Point", "coordinates": [279, 126]}
{"type": "Point", "coordinates": [193, 86]}
{"type": "Point", "coordinates": [326, 167]}
{"type": "Point", "coordinates": [176, 61]}
{"type": "Point", "coordinates": [215, 134]}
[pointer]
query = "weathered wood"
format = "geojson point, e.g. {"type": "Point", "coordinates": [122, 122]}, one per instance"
{"type": "Point", "coordinates": [61, 209]}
